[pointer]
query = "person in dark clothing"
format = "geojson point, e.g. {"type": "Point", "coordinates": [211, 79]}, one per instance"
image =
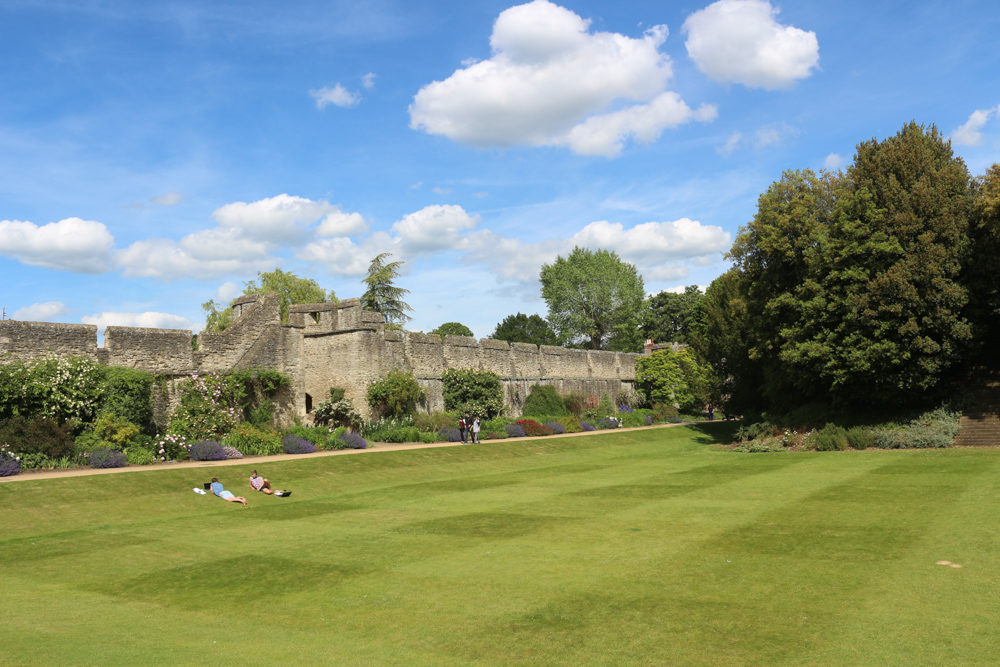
{"type": "Point", "coordinates": [463, 427]}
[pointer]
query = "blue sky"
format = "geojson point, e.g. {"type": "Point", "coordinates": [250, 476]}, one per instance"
{"type": "Point", "coordinates": [157, 155]}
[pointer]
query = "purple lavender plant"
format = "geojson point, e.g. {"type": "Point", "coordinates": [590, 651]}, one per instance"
{"type": "Point", "coordinates": [608, 422]}
{"type": "Point", "coordinates": [648, 419]}
{"type": "Point", "coordinates": [207, 450]}
{"type": "Point", "coordinates": [295, 445]}
{"type": "Point", "coordinates": [587, 426]}
{"type": "Point", "coordinates": [107, 458]}
{"type": "Point", "coordinates": [232, 452]}
{"type": "Point", "coordinates": [10, 465]}
{"type": "Point", "coordinates": [556, 427]}
{"type": "Point", "coordinates": [515, 431]}
{"type": "Point", "coordinates": [354, 441]}
{"type": "Point", "coordinates": [451, 434]}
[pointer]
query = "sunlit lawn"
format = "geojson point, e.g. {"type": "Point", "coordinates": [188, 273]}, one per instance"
{"type": "Point", "coordinates": [650, 547]}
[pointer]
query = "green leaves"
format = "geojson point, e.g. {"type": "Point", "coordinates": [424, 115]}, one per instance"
{"type": "Point", "coordinates": [594, 296]}
{"type": "Point", "coordinates": [395, 395]}
{"type": "Point", "coordinates": [382, 296]}
{"type": "Point", "coordinates": [480, 393]}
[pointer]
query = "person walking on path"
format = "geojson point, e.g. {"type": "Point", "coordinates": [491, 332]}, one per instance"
{"type": "Point", "coordinates": [226, 495]}
{"type": "Point", "coordinates": [463, 427]}
{"type": "Point", "coordinates": [475, 431]}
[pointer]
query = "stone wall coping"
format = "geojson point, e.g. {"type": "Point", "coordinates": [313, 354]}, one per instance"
{"type": "Point", "coordinates": [394, 336]}
{"type": "Point", "coordinates": [524, 347]}
{"type": "Point", "coordinates": [150, 330]}
{"type": "Point", "coordinates": [313, 307]}
{"type": "Point", "coordinates": [460, 341]}
{"type": "Point", "coordinates": [494, 344]}
{"type": "Point", "coordinates": [246, 298]}
{"type": "Point", "coordinates": [53, 325]}
{"type": "Point", "coordinates": [424, 339]}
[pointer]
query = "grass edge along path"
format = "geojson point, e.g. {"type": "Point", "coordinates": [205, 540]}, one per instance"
{"type": "Point", "coordinates": [373, 447]}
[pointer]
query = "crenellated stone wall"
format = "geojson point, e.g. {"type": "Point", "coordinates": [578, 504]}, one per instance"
{"type": "Point", "coordinates": [325, 345]}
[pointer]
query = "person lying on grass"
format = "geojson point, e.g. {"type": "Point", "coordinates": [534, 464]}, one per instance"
{"type": "Point", "coordinates": [260, 484]}
{"type": "Point", "coordinates": [226, 495]}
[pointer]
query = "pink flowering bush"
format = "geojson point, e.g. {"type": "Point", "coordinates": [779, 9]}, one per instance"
{"type": "Point", "coordinates": [207, 409]}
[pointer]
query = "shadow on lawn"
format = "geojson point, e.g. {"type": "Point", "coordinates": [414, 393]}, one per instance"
{"type": "Point", "coordinates": [719, 432]}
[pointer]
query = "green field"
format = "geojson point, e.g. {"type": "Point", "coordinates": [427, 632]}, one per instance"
{"type": "Point", "coordinates": [639, 548]}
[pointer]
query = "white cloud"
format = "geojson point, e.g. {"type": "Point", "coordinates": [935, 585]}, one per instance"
{"type": "Point", "coordinates": [227, 292]}
{"type": "Point", "coordinates": [442, 191]}
{"type": "Point", "coordinates": [656, 248]}
{"type": "Point", "coordinates": [338, 95]}
{"type": "Point", "coordinates": [480, 195]}
{"type": "Point", "coordinates": [368, 80]}
{"type": "Point", "coordinates": [432, 228]}
{"type": "Point", "coordinates": [41, 312]}
{"type": "Point", "coordinates": [339, 223]}
{"type": "Point", "coordinates": [833, 161]}
{"type": "Point", "coordinates": [680, 289]}
{"type": "Point", "coordinates": [732, 143]}
{"type": "Point", "coordinates": [148, 319]}
{"type": "Point", "coordinates": [171, 260]}
{"type": "Point", "coordinates": [68, 245]}
{"type": "Point", "coordinates": [275, 219]}
{"type": "Point", "coordinates": [551, 82]}
{"type": "Point", "coordinates": [168, 199]}
{"type": "Point", "coordinates": [739, 41]}
{"type": "Point", "coordinates": [968, 134]}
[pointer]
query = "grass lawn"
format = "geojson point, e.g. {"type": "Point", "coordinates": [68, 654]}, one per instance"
{"type": "Point", "coordinates": [640, 548]}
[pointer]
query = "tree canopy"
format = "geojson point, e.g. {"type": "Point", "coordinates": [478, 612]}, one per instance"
{"type": "Point", "coordinates": [453, 329]}
{"type": "Point", "coordinates": [521, 328]}
{"type": "Point", "coordinates": [381, 294]}
{"type": "Point", "coordinates": [851, 281]}
{"type": "Point", "coordinates": [594, 297]}
{"type": "Point", "coordinates": [674, 318]}
{"type": "Point", "coordinates": [290, 288]}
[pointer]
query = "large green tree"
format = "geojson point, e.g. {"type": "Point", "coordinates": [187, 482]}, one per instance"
{"type": "Point", "coordinates": [983, 271]}
{"type": "Point", "coordinates": [674, 318]}
{"type": "Point", "coordinates": [521, 328]}
{"type": "Point", "coordinates": [453, 329]}
{"type": "Point", "coordinates": [594, 297]}
{"type": "Point", "coordinates": [852, 282]}
{"type": "Point", "coordinates": [725, 343]}
{"type": "Point", "coordinates": [381, 294]}
{"type": "Point", "coordinates": [291, 289]}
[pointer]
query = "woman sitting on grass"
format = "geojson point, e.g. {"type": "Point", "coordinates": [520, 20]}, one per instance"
{"type": "Point", "coordinates": [226, 495]}
{"type": "Point", "coordinates": [260, 484]}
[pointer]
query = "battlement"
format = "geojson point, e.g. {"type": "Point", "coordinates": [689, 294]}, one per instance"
{"type": "Point", "coordinates": [323, 345]}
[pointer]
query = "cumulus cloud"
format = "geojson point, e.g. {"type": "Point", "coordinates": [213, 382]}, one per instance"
{"type": "Point", "coordinates": [275, 219]}
{"type": "Point", "coordinates": [428, 230]}
{"type": "Point", "coordinates": [368, 80]}
{"type": "Point", "coordinates": [553, 82]}
{"type": "Point", "coordinates": [441, 191]}
{"type": "Point", "coordinates": [339, 223]}
{"type": "Point", "coordinates": [246, 239]}
{"type": "Point", "coordinates": [338, 95]}
{"type": "Point", "coordinates": [149, 319]}
{"type": "Point", "coordinates": [41, 312]}
{"type": "Point", "coordinates": [968, 134]}
{"type": "Point", "coordinates": [68, 245]}
{"type": "Point", "coordinates": [833, 161]}
{"type": "Point", "coordinates": [169, 199]}
{"type": "Point", "coordinates": [227, 291]}
{"type": "Point", "coordinates": [658, 249]}
{"type": "Point", "coordinates": [739, 41]}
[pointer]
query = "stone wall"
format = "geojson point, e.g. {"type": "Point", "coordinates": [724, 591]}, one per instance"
{"type": "Point", "coordinates": [322, 346]}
